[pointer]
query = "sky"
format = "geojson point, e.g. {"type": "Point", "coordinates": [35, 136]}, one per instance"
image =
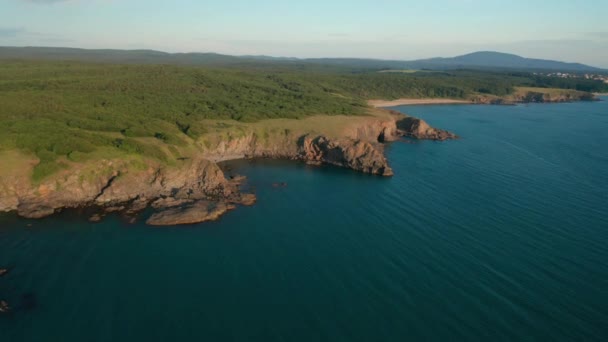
{"type": "Point", "coordinates": [566, 30]}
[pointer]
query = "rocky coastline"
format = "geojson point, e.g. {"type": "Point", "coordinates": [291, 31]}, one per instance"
{"type": "Point", "coordinates": [521, 96]}
{"type": "Point", "coordinates": [536, 96]}
{"type": "Point", "coordinates": [197, 190]}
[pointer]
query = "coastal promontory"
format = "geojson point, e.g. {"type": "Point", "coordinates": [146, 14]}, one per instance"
{"type": "Point", "coordinates": [119, 138]}
{"type": "Point", "coordinates": [194, 188]}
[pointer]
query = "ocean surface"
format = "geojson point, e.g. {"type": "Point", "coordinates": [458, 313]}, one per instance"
{"type": "Point", "coordinates": [499, 236]}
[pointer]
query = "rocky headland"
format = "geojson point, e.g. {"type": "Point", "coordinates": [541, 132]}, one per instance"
{"type": "Point", "coordinates": [195, 189]}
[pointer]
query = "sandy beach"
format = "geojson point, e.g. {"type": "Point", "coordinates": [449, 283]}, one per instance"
{"type": "Point", "coordinates": [410, 102]}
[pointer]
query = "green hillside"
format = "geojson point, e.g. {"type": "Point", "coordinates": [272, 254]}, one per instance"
{"type": "Point", "coordinates": [482, 60]}
{"type": "Point", "coordinates": [75, 110]}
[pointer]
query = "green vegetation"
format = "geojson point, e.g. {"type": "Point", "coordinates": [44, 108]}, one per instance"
{"type": "Point", "coordinates": [580, 84]}
{"type": "Point", "coordinates": [70, 111]}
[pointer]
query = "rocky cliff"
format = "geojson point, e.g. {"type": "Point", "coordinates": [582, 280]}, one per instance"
{"type": "Point", "coordinates": [536, 95]}
{"type": "Point", "coordinates": [117, 184]}
{"type": "Point", "coordinates": [419, 129]}
{"type": "Point", "coordinates": [195, 188]}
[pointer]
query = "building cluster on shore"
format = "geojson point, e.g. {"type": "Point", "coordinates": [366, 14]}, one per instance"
{"type": "Point", "coordinates": [597, 77]}
{"type": "Point", "coordinates": [603, 78]}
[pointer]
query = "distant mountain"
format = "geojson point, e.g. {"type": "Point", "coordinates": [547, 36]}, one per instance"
{"type": "Point", "coordinates": [490, 59]}
{"type": "Point", "coordinates": [484, 60]}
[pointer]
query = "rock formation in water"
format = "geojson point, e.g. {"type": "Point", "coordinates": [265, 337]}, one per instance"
{"type": "Point", "coordinates": [194, 212]}
{"type": "Point", "coordinates": [196, 189]}
{"type": "Point", "coordinates": [419, 129]}
{"type": "Point", "coordinates": [4, 307]}
{"type": "Point", "coordinates": [357, 155]}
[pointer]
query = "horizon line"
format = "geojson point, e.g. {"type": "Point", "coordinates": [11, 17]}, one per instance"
{"type": "Point", "coordinates": [293, 57]}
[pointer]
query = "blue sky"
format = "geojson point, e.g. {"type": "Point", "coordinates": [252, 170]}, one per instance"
{"type": "Point", "coordinates": [558, 29]}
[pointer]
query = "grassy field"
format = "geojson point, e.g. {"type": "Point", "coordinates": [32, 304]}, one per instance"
{"type": "Point", "coordinates": [62, 112]}
{"type": "Point", "coordinates": [77, 111]}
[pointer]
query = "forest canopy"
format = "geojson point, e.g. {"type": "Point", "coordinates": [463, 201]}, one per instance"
{"type": "Point", "coordinates": [64, 109]}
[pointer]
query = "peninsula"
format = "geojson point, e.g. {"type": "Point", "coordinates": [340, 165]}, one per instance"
{"type": "Point", "coordinates": [124, 137]}
{"type": "Point", "coordinates": [192, 188]}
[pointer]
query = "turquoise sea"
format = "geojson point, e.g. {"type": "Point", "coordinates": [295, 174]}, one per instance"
{"type": "Point", "coordinates": [499, 236]}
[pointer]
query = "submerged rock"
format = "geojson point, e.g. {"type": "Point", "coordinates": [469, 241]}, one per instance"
{"type": "Point", "coordinates": [169, 202]}
{"type": "Point", "coordinates": [197, 212]}
{"type": "Point", "coordinates": [29, 301]}
{"type": "Point", "coordinates": [114, 209]}
{"type": "Point", "coordinates": [4, 307]}
{"type": "Point", "coordinates": [247, 199]}
{"type": "Point", "coordinates": [95, 218]}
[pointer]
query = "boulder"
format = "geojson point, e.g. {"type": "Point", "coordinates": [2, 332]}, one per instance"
{"type": "Point", "coordinates": [95, 218]}
{"type": "Point", "coordinates": [197, 212]}
{"type": "Point", "coordinates": [32, 210]}
{"type": "Point", "coordinates": [4, 307]}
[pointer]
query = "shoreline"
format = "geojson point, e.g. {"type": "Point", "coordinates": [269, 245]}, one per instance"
{"type": "Point", "coordinates": [198, 190]}
{"type": "Point", "coordinates": [480, 101]}
{"type": "Point", "coordinates": [414, 102]}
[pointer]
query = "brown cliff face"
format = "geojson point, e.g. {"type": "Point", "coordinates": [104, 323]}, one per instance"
{"type": "Point", "coordinates": [536, 95]}
{"type": "Point", "coordinates": [66, 190]}
{"type": "Point", "coordinates": [196, 189]}
{"type": "Point", "coordinates": [539, 97]}
{"type": "Point", "coordinates": [357, 155]}
{"type": "Point", "coordinates": [193, 179]}
{"type": "Point", "coordinates": [419, 129]}
{"type": "Point", "coordinates": [359, 146]}
{"type": "Point", "coordinates": [362, 155]}
{"type": "Point", "coordinates": [116, 183]}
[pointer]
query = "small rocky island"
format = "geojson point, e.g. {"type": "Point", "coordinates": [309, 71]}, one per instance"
{"type": "Point", "coordinates": [197, 190]}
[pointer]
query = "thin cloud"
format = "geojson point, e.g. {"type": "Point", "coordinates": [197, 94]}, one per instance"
{"type": "Point", "coordinates": [27, 37]}
{"type": "Point", "coordinates": [601, 35]}
{"type": "Point", "coordinates": [44, 1]}
{"type": "Point", "coordinates": [339, 35]}
{"type": "Point", "coordinates": [10, 32]}
{"type": "Point", "coordinates": [56, 40]}
{"type": "Point", "coordinates": [553, 41]}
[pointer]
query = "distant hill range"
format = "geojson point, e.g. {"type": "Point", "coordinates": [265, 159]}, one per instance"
{"type": "Point", "coordinates": [489, 59]}
{"type": "Point", "coordinates": [485, 60]}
